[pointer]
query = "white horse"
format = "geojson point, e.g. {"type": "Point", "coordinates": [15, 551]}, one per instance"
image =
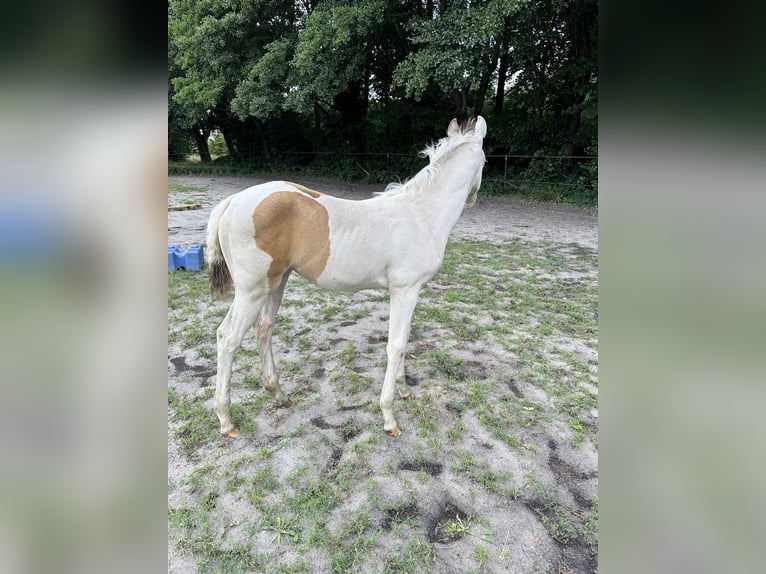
{"type": "Point", "coordinates": [394, 240]}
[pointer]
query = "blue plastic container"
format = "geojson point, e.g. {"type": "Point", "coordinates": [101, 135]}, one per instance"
{"type": "Point", "coordinates": [191, 259]}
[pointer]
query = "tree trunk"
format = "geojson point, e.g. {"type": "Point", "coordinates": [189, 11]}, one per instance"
{"type": "Point", "coordinates": [502, 74]}
{"type": "Point", "coordinates": [485, 78]}
{"type": "Point", "coordinates": [572, 126]}
{"type": "Point", "coordinates": [229, 144]}
{"type": "Point", "coordinates": [262, 137]}
{"type": "Point", "coordinates": [200, 136]}
{"type": "Point", "coordinates": [581, 22]}
{"type": "Point", "coordinates": [504, 46]}
{"type": "Point", "coordinates": [460, 101]}
{"type": "Point", "coordinates": [317, 116]}
{"type": "Point", "coordinates": [482, 93]}
{"type": "Point", "coordinates": [430, 9]}
{"type": "Point", "coordinates": [366, 88]}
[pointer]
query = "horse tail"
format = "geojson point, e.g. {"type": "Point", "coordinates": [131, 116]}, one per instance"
{"type": "Point", "coordinates": [218, 270]}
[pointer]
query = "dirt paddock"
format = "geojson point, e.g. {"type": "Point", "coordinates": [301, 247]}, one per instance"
{"type": "Point", "coordinates": [497, 466]}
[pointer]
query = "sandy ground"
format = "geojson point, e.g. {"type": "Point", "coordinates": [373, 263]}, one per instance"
{"type": "Point", "coordinates": [490, 219]}
{"type": "Point", "coordinates": [524, 543]}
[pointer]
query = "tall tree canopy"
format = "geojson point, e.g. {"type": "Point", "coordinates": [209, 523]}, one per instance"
{"type": "Point", "coordinates": [372, 75]}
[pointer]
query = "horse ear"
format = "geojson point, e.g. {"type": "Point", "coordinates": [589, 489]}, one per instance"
{"type": "Point", "coordinates": [453, 129]}
{"type": "Point", "coordinates": [481, 127]}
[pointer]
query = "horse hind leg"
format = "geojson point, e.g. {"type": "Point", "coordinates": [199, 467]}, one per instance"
{"type": "Point", "coordinates": [264, 328]}
{"type": "Point", "coordinates": [242, 314]}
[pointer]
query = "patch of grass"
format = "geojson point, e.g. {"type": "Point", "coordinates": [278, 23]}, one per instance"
{"type": "Point", "coordinates": [198, 423]}
{"type": "Point", "coordinates": [361, 313]}
{"type": "Point", "coordinates": [563, 523]}
{"type": "Point", "coordinates": [301, 567]}
{"type": "Point", "coordinates": [200, 476]}
{"type": "Point", "coordinates": [353, 544]}
{"type": "Point", "coordinates": [184, 286]}
{"type": "Point", "coordinates": [281, 528]}
{"type": "Point", "coordinates": [480, 554]}
{"type": "Point", "coordinates": [190, 530]}
{"type": "Point", "coordinates": [303, 343]}
{"type": "Point", "coordinates": [403, 512]}
{"type": "Point", "coordinates": [440, 362]}
{"type": "Point", "coordinates": [351, 428]}
{"type": "Point", "coordinates": [498, 425]}
{"type": "Point", "coordinates": [591, 529]}
{"type": "Point", "coordinates": [245, 411]}
{"type": "Point", "coordinates": [180, 517]}
{"type": "Point", "coordinates": [195, 334]}
{"type": "Point", "coordinates": [367, 443]}
{"type": "Point", "coordinates": [479, 472]}
{"type": "Point", "coordinates": [347, 355]}
{"type": "Point", "coordinates": [178, 187]}
{"type": "Point", "coordinates": [349, 382]}
{"type": "Point", "coordinates": [456, 431]}
{"type": "Point", "coordinates": [578, 432]}
{"type": "Point", "coordinates": [477, 393]}
{"type": "Point", "coordinates": [331, 311]}
{"type": "Point", "coordinates": [459, 527]}
{"type": "Point", "coordinates": [263, 480]}
{"type": "Point", "coordinates": [525, 413]}
{"type": "Point", "coordinates": [207, 353]}
{"type": "Point", "coordinates": [425, 421]}
{"type": "Point", "coordinates": [414, 557]}
{"type": "Point", "coordinates": [460, 325]}
{"type": "Point", "coordinates": [317, 496]}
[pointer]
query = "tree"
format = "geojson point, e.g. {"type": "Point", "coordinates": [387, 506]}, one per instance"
{"type": "Point", "coordinates": [215, 44]}
{"type": "Point", "coordinates": [457, 52]}
{"type": "Point", "coordinates": [554, 60]}
{"type": "Point", "coordinates": [363, 75]}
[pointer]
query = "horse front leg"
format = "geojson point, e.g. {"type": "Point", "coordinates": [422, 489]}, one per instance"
{"type": "Point", "coordinates": [403, 303]}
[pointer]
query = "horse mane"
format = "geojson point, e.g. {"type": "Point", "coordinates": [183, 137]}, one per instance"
{"type": "Point", "coordinates": [435, 153]}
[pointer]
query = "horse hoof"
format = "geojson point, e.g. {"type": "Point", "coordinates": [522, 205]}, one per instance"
{"type": "Point", "coordinates": [394, 432]}
{"type": "Point", "coordinates": [232, 432]}
{"type": "Point", "coordinates": [410, 397]}
{"type": "Point", "coordinates": [285, 404]}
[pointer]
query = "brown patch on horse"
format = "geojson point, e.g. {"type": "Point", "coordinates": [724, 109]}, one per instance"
{"type": "Point", "coordinates": [294, 229]}
{"type": "Point", "coordinates": [305, 189]}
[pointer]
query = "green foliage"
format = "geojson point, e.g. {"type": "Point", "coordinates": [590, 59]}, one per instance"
{"type": "Point", "coordinates": [217, 145]}
{"type": "Point", "coordinates": [454, 49]}
{"type": "Point", "coordinates": [299, 87]}
{"type": "Point", "coordinates": [328, 58]}
{"type": "Point", "coordinates": [264, 85]}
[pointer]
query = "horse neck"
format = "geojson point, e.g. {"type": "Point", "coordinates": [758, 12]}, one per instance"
{"type": "Point", "coordinates": [445, 199]}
